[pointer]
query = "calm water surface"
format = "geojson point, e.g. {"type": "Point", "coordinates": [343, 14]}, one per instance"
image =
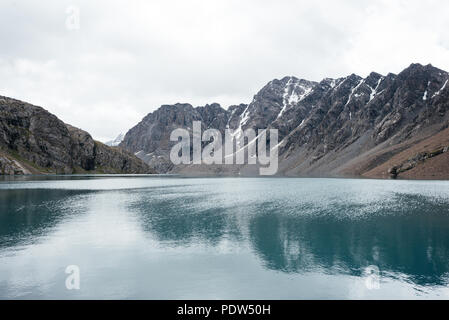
{"type": "Point", "coordinates": [224, 238]}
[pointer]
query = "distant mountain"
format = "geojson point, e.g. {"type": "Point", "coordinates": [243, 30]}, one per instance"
{"type": "Point", "coordinates": [34, 141]}
{"type": "Point", "coordinates": [378, 126]}
{"type": "Point", "coordinates": [116, 141]}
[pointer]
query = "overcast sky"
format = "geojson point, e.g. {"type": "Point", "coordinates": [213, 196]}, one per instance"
{"type": "Point", "coordinates": [126, 58]}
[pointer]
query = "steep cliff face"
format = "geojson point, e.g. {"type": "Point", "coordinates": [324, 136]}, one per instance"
{"type": "Point", "coordinates": [34, 135]}
{"type": "Point", "coordinates": [337, 127]}
{"type": "Point", "coordinates": [32, 140]}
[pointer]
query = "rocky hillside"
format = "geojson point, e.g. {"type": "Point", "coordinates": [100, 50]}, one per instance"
{"type": "Point", "coordinates": [150, 139]}
{"type": "Point", "coordinates": [34, 141]}
{"type": "Point", "coordinates": [351, 126]}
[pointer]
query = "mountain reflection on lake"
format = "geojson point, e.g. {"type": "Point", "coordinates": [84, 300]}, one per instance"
{"type": "Point", "coordinates": [223, 238]}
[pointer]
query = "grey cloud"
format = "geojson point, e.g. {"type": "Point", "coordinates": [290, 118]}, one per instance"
{"type": "Point", "coordinates": [128, 58]}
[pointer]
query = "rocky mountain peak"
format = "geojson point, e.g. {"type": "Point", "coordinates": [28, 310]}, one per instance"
{"type": "Point", "coordinates": [373, 79]}
{"type": "Point", "coordinates": [424, 71]}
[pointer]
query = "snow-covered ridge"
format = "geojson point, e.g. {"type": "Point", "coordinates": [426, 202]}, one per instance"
{"type": "Point", "coordinates": [294, 93]}
{"type": "Point", "coordinates": [116, 141]}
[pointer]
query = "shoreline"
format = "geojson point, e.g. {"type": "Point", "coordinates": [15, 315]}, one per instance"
{"type": "Point", "coordinates": [205, 176]}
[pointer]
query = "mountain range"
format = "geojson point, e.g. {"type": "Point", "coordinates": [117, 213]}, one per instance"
{"type": "Point", "coordinates": [381, 126]}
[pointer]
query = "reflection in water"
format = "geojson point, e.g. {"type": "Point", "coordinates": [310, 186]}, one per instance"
{"type": "Point", "coordinates": [25, 214]}
{"type": "Point", "coordinates": [415, 244]}
{"type": "Point", "coordinates": [410, 238]}
{"type": "Point", "coordinates": [293, 233]}
{"type": "Point", "coordinates": [180, 221]}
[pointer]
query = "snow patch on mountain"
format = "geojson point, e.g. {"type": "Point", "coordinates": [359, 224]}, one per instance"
{"type": "Point", "coordinates": [374, 91]}
{"type": "Point", "coordinates": [354, 90]}
{"type": "Point", "coordinates": [441, 90]}
{"type": "Point", "coordinates": [294, 93]}
{"type": "Point", "coordinates": [116, 141]}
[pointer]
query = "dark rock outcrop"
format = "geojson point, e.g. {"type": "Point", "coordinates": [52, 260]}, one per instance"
{"type": "Point", "coordinates": [32, 140]}
{"type": "Point", "coordinates": [417, 159]}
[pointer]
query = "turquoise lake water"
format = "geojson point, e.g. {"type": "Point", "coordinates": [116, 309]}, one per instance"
{"type": "Point", "coordinates": [223, 238]}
